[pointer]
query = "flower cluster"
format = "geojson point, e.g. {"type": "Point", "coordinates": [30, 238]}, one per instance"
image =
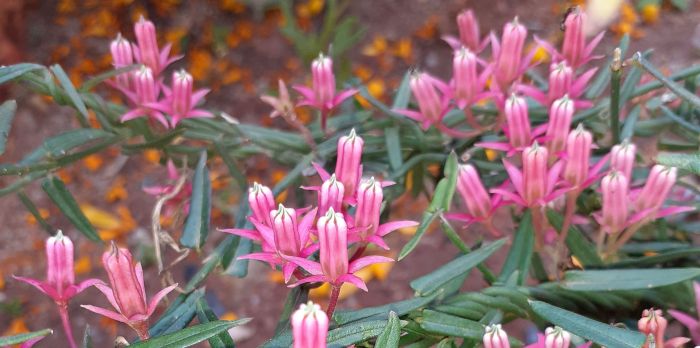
{"type": "Point", "coordinates": [144, 88]}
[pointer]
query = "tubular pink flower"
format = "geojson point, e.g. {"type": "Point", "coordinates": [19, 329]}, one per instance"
{"type": "Point", "coordinates": [309, 326]}
{"type": "Point", "coordinates": [509, 54]}
{"type": "Point", "coordinates": [622, 158]}
{"type": "Point", "coordinates": [261, 202]}
{"type": "Point", "coordinates": [348, 166]}
{"type": "Point", "coordinates": [122, 56]}
{"type": "Point", "coordinates": [517, 123]}
{"type": "Point", "coordinates": [282, 104]}
{"type": "Point", "coordinates": [535, 173]}
{"type": "Point", "coordinates": [614, 187]}
{"type": "Point", "coordinates": [693, 324]}
{"type": "Point", "coordinates": [181, 101]}
{"type": "Point", "coordinates": [127, 293]}
{"type": "Point", "coordinates": [574, 48]}
{"type": "Point", "coordinates": [469, 30]}
{"type": "Point", "coordinates": [285, 229]}
{"type": "Point", "coordinates": [555, 337]}
{"type": "Point", "coordinates": [147, 51]}
{"type": "Point", "coordinates": [561, 79]}
{"type": "Point", "coordinates": [322, 94]}
{"type": "Point", "coordinates": [331, 195]}
{"type": "Point", "coordinates": [467, 85]}
{"type": "Point", "coordinates": [480, 206]}
{"type": "Point", "coordinates": [653, 323]}
{"type": "Point", "coordinates": [560, 115]}
{"type": "Point", "coordinates": [145, 94]}
{"type": "Point", "coordinates": [578, 154]}
{"type": "Point", "coordinates": [562, 82]}
{"type": "Point", "coordinates": [495, 337]}
{"type": "Point", "coordinates": [656, 189]}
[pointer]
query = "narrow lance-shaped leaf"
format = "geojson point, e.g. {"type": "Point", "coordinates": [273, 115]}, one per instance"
{"type": "Point", "coordinates": [206, 315]}
{"type": "Point", "coordinates": [15, 339]}
{"type": "Point", "coordinates": [63, 199]}
{"type": "Point", "coordinates": [520, 253]}
{"type": "Point", "coordinates": [451, 175]}
{"type": "Point", "coordinates": [190, 336]}
{"type": "Point", "coordinates": [10, 72]}
{"type": "Point", "coordinates": [355, 333]}
{"type": "Point", "coordinates": [389, 338]}
{"type": "Point", "coordinates": [627, 279]}
{"type": "Point", "coordinates": [685, 161]}
{"type": "Point", "coordinates": [180, 313]}
{"type": "Point", "coordinates": [197, 224]}
{"type": "Point", "coordinates": [72, 93]}
{"type": "Point", "coordinates": [670, 84]}
{"type": "Point", "coordinates": [7, 114]}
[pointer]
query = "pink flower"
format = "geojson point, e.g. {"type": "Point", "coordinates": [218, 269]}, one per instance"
{"type": "Point", "coordinates": [622, 158]}
{"type": "Point", "coordinates": [536, 185]}
{"type": "Point", "coordinates": [649, 201]}
{"type": "Point", "coordinates": [309, 326]}
{"type": "Point", "coordinates": [348, 165]}
{"type": "Point", "coordinates": [144, 96]}
{"type": "Point", "coordinates": [555, 337]}
{"type": "Point", "coordinates": [322, 94]}
{"type": "Point", "coordinates": [574, 48]}
{"type": "Point", "coordinates": [261, 203]}
{"type": "Point", "coordinates": [480, 206]}
{"type": "Point", "coordinates": [281, 105]}
{"type": "Point", "coordinates": [147, 51]}
{"type": "Point", "coordinates": [562, 82]}
{"type": "Point", "coordinates": [560, 115]}
{"type": "Point", "coordinates": [614, 187]}
{"type": "Point", "coordinates": [331, 195]}
{"type": "Point", "coordinates": [368, 212]}
{"type": "Point", "coordinates": [509, 64]}
{"type": "Point", "coordinates": [180, 102]}
{"type": "Point", "coordinates": [469, 36]}
{"type": "Point", "coordinates": [517, 128]}
{"type": "Point", "coordinates": [653, 323]}
{"type": "Point", "coordinates": [577, 172]}
{"type": "Point", "coordinates": [127, 293]}
{"type": "Point", "coordinates": [432, 96]}
{"type": "Point", "coordinates": [467, 85]}
{"type": "Point", "coordinates": [495, 337]}
{"type": "Point", "coordinates": [181, 201]}
{"type": "Point", "coordinates": [691, 323]}
{"type": "Point", "coordinates": [122, 56]}
{"type": "Point", "coordinates": [334, 266]}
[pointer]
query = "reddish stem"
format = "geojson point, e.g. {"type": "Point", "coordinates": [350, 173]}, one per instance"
{"type": "Point", "coordinates": [335, 293]}
{"type": "Point", "coordinates": [539, 227]}
{"type": "Point", "coordinates": [568, 216]}
{"type": "Point", "coordinates": [471, 120]}
{"type": "Point", "coordinates": [63, 312]}
{"type": "Point", "coordinates": [358, 253]}
{"type": "Point", "coordinates": [141, 328]}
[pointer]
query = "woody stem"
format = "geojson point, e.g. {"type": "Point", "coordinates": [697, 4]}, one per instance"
{"type": "Point", "coordinates": [63, 312]}
{"type": "Point", "coordinates": [335, 293]}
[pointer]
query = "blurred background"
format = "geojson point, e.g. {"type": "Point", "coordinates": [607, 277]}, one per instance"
{"type": "Point", "coordinates": [239, 49]}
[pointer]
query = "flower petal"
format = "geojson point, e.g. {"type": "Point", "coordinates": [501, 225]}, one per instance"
{"type": "Point", "coordinates": [107, 313]}
{"type": "Point", "coordinates": [159, 296]}
{"type": "Point", "coordinates": [389, 227]}
{"type": "Point", "coordinates": [366, 261]}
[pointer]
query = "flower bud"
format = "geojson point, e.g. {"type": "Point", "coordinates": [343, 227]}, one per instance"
{"type": "Point", "coordinates": [560, 115]}
{"type": "Point", "coordinates": [148, 44]}
{"type": "Point", "coordinates": [348, 167]}
{"type": "Point", "coordinates": [127, 282]}
{"type": "Point", "coordinates": [508, 62]}
{"type": "Point", "coordinates": [261, 202]}
{"type": "Point", "coordinates": [656, 189]}
{"type": "Point", "coordinates": [331, 195]}
{"type": "Point", "coordinates": [578, 150]}
{"type": "Point", "coordinates": [473, 192]}
{"type": "Point", "coordinates": [368, 210]}
{"type": "Point", "coordinates": [468, 30]}
{"type": "Point", "coordinates": [333, 240]}
{"type": "Point", "coordinates": [495, 337]}
{"type": "Point", "coordinates": [323, 80]}
{"type": "Point", "coordinates": [309, 326]}
{"type": "Point", "coordinates": [466, 80]}
{"type": "Point", "coordinates": [556, 337]}
{"type": "Point", "coordinates": [561, 78]}
{"type": "Point", "coordinates": [574, 44]}
{"type": "Point", "coordinates": [122, 56]}
{"type": "Point", "coordinates": [653, 323]}
{"type": "Point", "coordinates": [427, 97]}
{"type": "Point", "coordinates": [182, 92]}
{"type": "Point", "coordinates": [285, 230]}
{"type": "Point", "coordinates": [59, 253]}
{"type": "Point", "coordinates": [535, 173]}
{"type": "Point", "coordinates": [622, 158]}
{"type": "Point", "coordinates": [614, 187]}
{"type": "Point", "coordinates": [145, 86]}
{"type": "Point", "coordinates": [518, 122]}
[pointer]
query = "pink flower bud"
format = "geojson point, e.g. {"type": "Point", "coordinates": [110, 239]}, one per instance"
{"type": "Point", "coordinates": [368, 210]}
{"type": "Point", "coordinates": [574, 44]}
{"type": "Point", "coordinates": [348, 167]}
{"type": "Point", "coordinates": [122, 56]}
{"type": "Point", "coordinates": [145, 86]}
{"type": "Point", "coordinates": [148, 44]}
{"type": "Point", "coordinates": [560, 115]}
{"type": "Point", "coordinates": [60, 272]}
{"type": "Point", "coordinates": [333, 240]}
{"type": "Point", "coordinates": [495, 337]}
{"type": "Point", "coordinates": [473, 192]}
{"type": "Point", "coordinates": [261, 202]}
{"type": "Point", "coordinates": [535, 173]}
{"type": "Point", "coordinates": [653, 323]}
{"type": "Point", "coordinates": [126, 281]}
{"type": "Point", "coordinates": [622, 158]}
{"type": "Point", "coordinates": [578, 150]}
{"type": "Point", "coordinates": [323, 80]}
{"type": "Point", "coordinates": [429, 102]}
{"type": "Point", "coordinates": [331, 195]}
{"type": "Point", "coordinates": [556, 337]}
{"type": "Point", "coordinates": [656, 189]}
{"type": "Point", "coordinates": [466, 80]}
{"type": "Point", "coordinates": [518, 122]}
{"type": "Point", "coordinates": [309, 326]}
{"type": "Point", "coordinates": [561, 78]}
{"type": "Point", "coordinates": [614, 187]}
{"type": "Point", "coordinates": [508, 62]}
{"type": "Point", "coordinates": [286, 233]}
{"type": "Point", "coordinates": [468, 30]}
{"type": "Point", "coordinates": [182, 92]}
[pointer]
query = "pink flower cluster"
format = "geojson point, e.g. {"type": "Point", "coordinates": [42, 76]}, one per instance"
{"type": "Point", "coordinates": [289, 236]}
{"type": "Point", "coordinates": [147, 94]}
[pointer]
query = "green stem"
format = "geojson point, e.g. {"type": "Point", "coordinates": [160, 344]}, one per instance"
{"type": "Point", "coordinates": [615, 78]}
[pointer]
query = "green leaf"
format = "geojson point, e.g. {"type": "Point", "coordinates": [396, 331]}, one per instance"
{"type": "Point", "coordinates": [393, 147]}
{"type": "Point", "coordinates": [403, 94]}
{"type": "Point", "coordinates": [206, 315]}
{"type": "Point", "coordinates": [355, 333]}
{"type": "Point", "coordinates": [342, 317]}
{"type": "Point", "coordinates": [685, 161]}
{"type": "Point", "coordinates": [579, 246]}
{"type": "Point", "coordinates": [72, 92]}
{"type": "Point", "coordinates": [91, 83]}
{"type": "Point", "coordinates": [391, 334]}
{"type": "Point", "coordinates": [10, 340]}
{"type": "Point", "coordinates": [178, 315]}
{"type": "Point", "coordinates": [296, 297]}
{"type": "Point", "coordinates": [196, 226]}
{"type": "Point", "coordinates": [520, 254]}
{"type": "Point", "coordinates": [600, 82]}
{"type": "Point", "coordinates": [628, 279]}
{"type": "Point", "coordinates": [630, 123]}
{"type": "Point", "coordinates": [11, 72]}
{"type": "Point", "coordinates": [453, 269]}
{"type": "Point", "coordinates": [7, 114]}
{"type": "Point", "coordinates": [682, 5]}
{"type": "Point", "coordinates": [190, 336]}
{"type": "Point", "coordinates": [451, 174]}
{"type": "Point", "coordinates": [670, 84]}
{"type": "Point", "coordinates": [450, 325]}
{"type": "Point", "coordinates": [680, 120]}
{"type": "Point", "coordinates": [426, 221]}
{"type": "Point", "coordinates": [87, 337]}
{"type": "Point", "coordinates": [35, 212]}
{"type": "Point", "coordinates": [61, 144]}
{"type": "Point", "coordinates": [602, 334]}
{"type": "Point", "coordinates": [63, 199]}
